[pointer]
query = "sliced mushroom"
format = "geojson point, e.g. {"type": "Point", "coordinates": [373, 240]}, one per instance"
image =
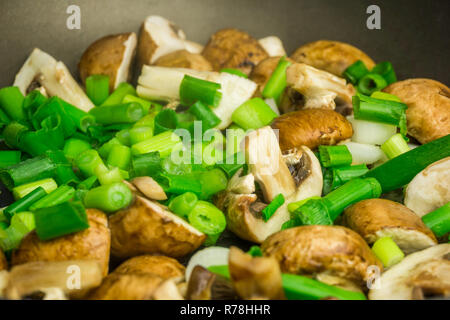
{"type": "Point", "coordinates": [308, 87]}
{"type": "Point", "coordinates": [428, 113]}
{"type": "Point", "coordinates": [377, 218]}
{"type": "Point", "coordinates": [3, 261]}
{"type": "Point", "coordinates": [193, 46]}
{"type": "Point", "coordinates": [112, 56]}
{"type": "Point", "coordinates": [184, 59]}
{"type": "Point", "coordinates": [205, 285]}
{"type": "Point", "coordinates": [146, 227]}
{"type": "Point", "coordinates": [331, 56]}
{"type": "Point", "coordinates": [273, 46]}
{"type": "Point", "coordinates": [430, 189]}
{"type": "Point", "coordinates": [311, 128]}
{"type": "Point", "coordinates": [90, 244]}
{"type": "Point", "coordinates": [167, 290]}
{"type": "Point", "coordinates": [313, 250]}
{"type": "Point", "coordinates": [255, 277]}
{"type": "Point", "coordinates": [149, 188]}
{"type": "Point", "coordinates": [232, 48]}
{"type": "Point", "coordinates": [419, 275]}
{"type": "Point", "coordinates": [54, 77]}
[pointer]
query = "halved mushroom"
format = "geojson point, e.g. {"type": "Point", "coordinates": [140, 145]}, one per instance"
{"type": "Point", "coordinates": [331, 56]}
{"type": "Point", "coordinates": [149, 188]}
{"type": "Point", "coordinates": [73, 277]}
{"type": "Point", "coordinates": [90, 244]}
{"type": "Point", "coordinates": [420, 275]}
{"type": "Point", "coordinates": [430, 189]}
{"type": "Point", "coordinates": [146, 227]}
{"type": "Point", "coordinates": [296, 175]}
{"type": "Point", "coordinates": [428, 113]}
{"type": "Point", "coordinates": [308, 87]}
{"type": "Point", "coordinates": [54, 76]}
{"type": "Point", "coordinates": [3, 261]}
{"type": "Point", "coordinates": [255, 277]}
{"type": "Point", "coordinates": [205, 285]}
{"type": "Point", "coordinates": [273, 46]}
{"type": "Point", "coordinates": [314, 250]}
{"type": "Point", "coordinates": [112, 56]}
{"type": "Point", "coordinates": [184, 59]}
{"type": "Point", "coordinates": [377, 218]}
{"type": "Point", "coordinates": [232, 48]}
{"type": "Point", "coordinates": [311, 128]}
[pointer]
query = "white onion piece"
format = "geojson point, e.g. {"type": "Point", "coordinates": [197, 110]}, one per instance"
{"type": "Point", "coordinates": [211, 256]}
{"type": "Point", "coordinates": [371, 132]}
{"type": "Point", "coordinates": [364, 153]}
{"type": "Point", "coordinates": [273, 105]}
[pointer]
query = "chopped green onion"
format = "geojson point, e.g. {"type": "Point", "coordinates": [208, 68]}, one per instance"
{"type": "Point", "coordinates": [327, 174]}
{"type": "Point", "coordinates": [205, 115]}
{"type": "Point", "coordinates": [291, 223]}
{"type": "Point", "coordinates": [64, 173]}
{"type": "Point", "coordinates": [108, 176]}
{"type": "Point", "coordinates": [164, 143]}
{"type": "Point", "coordinates": [88, 183]}
{"type": "Point", "coordinates": [395, 146]}
{"type": "Point", "coordinates": [60, 220]}
{"type": "Point", "coordinates": [166, 120]}
{"type": "Point", "coordinates": [4, 119]}
{"type": "Point", "coordinates": [355, 72]}
{"type": "Point", "coordinates": [124, 137]}
{"type": "Point", "coordinates": [386, 70]}
{"type": "Point", "coordinates": [105, 149]}
{"type": "Point", "coordinates": [61, 194]}
{"type": "Point", "coordinates": [194, 89]}
{"type": "Point", "coordinates": [385, 96]}
{"type": "Point", "coordinates": [13, 133]}
{"type": "Point", "coordinates": [120, 156]}
{"type": "Point", "coordinates": [139, 134]}
{"type": "Point", "coordinates": [295, 205]}
{"type": "Point", "coordinates": [179, 184]}
{"type": "Point", "coordinates": [273, 206]}
{"type": "Point", "coordinates": [88, 161]}
{"type": "Point", "coordinates": [149, 106]}
{"type": "Point", "coordinates": [344, 174]}
{"type": "Point", "coordinates": [438, 220]}
{"type": "Point", "coordinates": [313, 212]}
{"type": "Point", "coordinates": [277, 81]}
{"type": "Point", "coordinates": [253, 114]}
{"type": "Point", "coordinates": [206, 218]}
{"type": "Point", "coordinates": [109, 198]}
{"type": "Point", "coordinates": [212, 181]}
{"type": "Point", "coordinates": [55, 107]}
{"type": "Point", "coordinates": [21, 224]}
{"type": "Point", "coordinates": [9, 158]}
{"type": "Point", "coordinates": [332, 156]}
{"type": "Point", "coordinates": [183, 204]}
{"type": "Point", "coordinates": [21, 191]}
{"type": "Point", "coordinates": [74, 147]}
{"type": "Point", "coordinates": [146, 121]}
{"type": "Point", "coordinates": [119, 113]}
{"type": "Point", "coordinates": [25, 203]}
{"type": "Point", "coordinates": [232, 163]}
{"type": "Point", "coordinates": [97, 88]}
{"type": "Point", "coordinates": [370, 83]}
{"type": "Point", "coordinates": [32, 102]}
{"type": "Point", "coordinates": [11, 101]}
{"type": "Point", "coordinates": [117, 96]}
{"type": "Point", "coordinates": [255, 251]}
{"type": "Point", "coordinates": [236, 72]}
{"type": "Point", "coordinates": [82, 119]}
{"type": "Point", "coordinates": [387, 251]}
{"type": "Point", "coordinates": [147, 164]}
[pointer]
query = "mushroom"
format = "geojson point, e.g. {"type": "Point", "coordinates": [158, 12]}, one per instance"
{"type": "Point", "coordinates": [46, 277]}
{"type": "Point", "coordinates": [205, 285]}
{"type": "Point", "coordinates": [428, 113]}
{"type": "Point", "coordinates": [184, 59]}
{"type": "Point", "coordinates": [420, 275]}
{"type": "Point", "coordinates": [308, 87]}
{"type": "Point", "coordinates": [378, 218]}
{"type": "Point", "coordinates": [311, 128]}
{"type": "Point", "coordinates": [112, 56]}
{"type": "Point", "coordinates": [90, 244]}
{"type": "Point", "coordinates": [146, 227]}
{"type": "Point", "coordinates": [193, 46]}
{"type": "Point", "coordinates": [296, 175]}
{"type": "Point", "coordinates": [54, 77]}
{"type": "Point", "coordinates": [315, 250]}
{"type": "Point", "coordinates": [262, 72]}
{"type": "Point", "coordinates": [430, 188]}
{"type": "Point", "coordinates": [149, 188]}
{"type": "Point", "coordinates": [232, 48]}
{"type": "Point", "coordinates": [331, 56]}
{"type": "Point", "coordinates": [255, 277]}
{"type": "Point", "coordinates": [3, 261]}
{"type": "Point", "coordinates": [273, 46]}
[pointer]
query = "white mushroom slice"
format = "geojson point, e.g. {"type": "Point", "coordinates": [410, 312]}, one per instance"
{"type": "Point", "coordinates": [319, 88]}
{"type": "Point", "coordinates": [124, 68]}
{"type": "Point", "coordinates": [54, 77]}
{"type": "Point", "coordinates": [167, 290]}
{"type": "Point", "coordinates": [149, 188]}
{"type": "Point", "coordinates": [423, 273]}
{"type": "Point", "coordinates": [430, 189]}
{"type": "Point", "coordinates": [241, 184]}
{"type": "Point", "coordinates": [193, 47]}
{"type": "Point", "coordinates": [273, 46]}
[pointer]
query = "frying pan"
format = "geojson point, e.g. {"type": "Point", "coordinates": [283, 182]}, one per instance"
{"type": "Point", "coordinates": [413, 34]}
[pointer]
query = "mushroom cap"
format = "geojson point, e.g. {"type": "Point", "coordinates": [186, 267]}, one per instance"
{"type": "Point", "coordinates": [430, 188]}
{"type": "Point", "coordinates": [331, 56]}
{"type": "Point", "coordinates": [263, 70]}
{"type": "Point", "coordinates": [112, 56]}
{"type": "Point", "coordinates": [377, 218]}
{"type": "Point", "coordinates": [423, 273]}
{"type": "Point", "coordinates": [428, 113]}
{"type": "Point", "coordinates": [146, 227]}
{"type": "Point", "coordinates": [232, 48]}
{"type": "Point", "coordinates": [205, 285]}
{"type": "Point", "coordinates": [90, 244]}
{"type": "Point", "coordinates": [3, 261]}
{"type": "Point", "coordinates": [311, 128]}
{"type": "Point", "coordinates": [311, 250]}
{"type": "Point", "coordinates": [184, 59]}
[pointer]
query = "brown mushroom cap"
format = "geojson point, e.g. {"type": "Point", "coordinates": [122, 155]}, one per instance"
{"type": "Point", "coordinates": [111, 55]}
{"type": "Point", "coordinates": [331, 56]}
{"type": "Point", "coordinates": [184, 59]}
{"type": "Point", "coordinates": [205, 285]}
{"type": "Point", "coordinates": [428, 113]}
{"type": "Point", "coordinates": [311, 128]}
{"type": "Point", "coordinates": [90, 244]}
{"type": "Point", "coordinates": [263, 70]}
{"type": "Point", "coordinates": [311, 250]}
{"type": "Point", "coordinates": [377, 218]}
{"type": "Point", "coordinates": [161, 266]}
{"type": "Point", "coordinates": [232, 48]}
{"type": "Point", "coordinates": [147, 227]}
{"type": "Point", "coordinates": [3, 261]}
